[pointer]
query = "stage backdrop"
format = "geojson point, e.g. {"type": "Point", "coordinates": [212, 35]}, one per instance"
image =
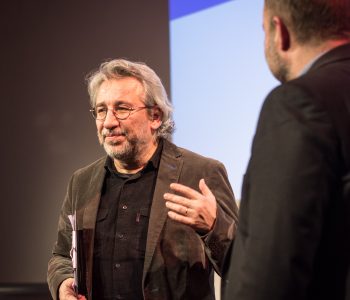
{"type": "Point", "coordinates": [47, 132]}
{"type": "Point", "coordinates": [218, 78]}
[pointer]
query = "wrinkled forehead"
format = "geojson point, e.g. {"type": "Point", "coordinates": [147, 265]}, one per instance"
{"type": "Point", "coordinates": [120, 89]}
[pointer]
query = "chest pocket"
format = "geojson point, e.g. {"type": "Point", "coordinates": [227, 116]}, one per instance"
{"type": "Point", "coordinates": [142, 220]}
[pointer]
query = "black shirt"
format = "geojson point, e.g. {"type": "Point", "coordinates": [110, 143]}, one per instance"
{"type": "Point", "coordinates": [121, 231]}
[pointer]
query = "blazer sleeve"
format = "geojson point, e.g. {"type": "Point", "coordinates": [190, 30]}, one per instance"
{"type": "Point", "coordinates": [218, 241]}
{"type": "Point", "coordinates": [60, 264]}
{"type": "Point", "coordinates": [285, 197]}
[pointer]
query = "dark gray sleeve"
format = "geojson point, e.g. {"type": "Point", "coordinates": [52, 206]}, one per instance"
{"type": "Point", "coordinates": [218, 241]}
{"type": "Point", "coordinates": [60, 265]}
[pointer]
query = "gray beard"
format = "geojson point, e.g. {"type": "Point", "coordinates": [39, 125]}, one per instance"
{"type": "Point", "coordinates": [127, 154]}
{"type": "Point", "coordinates": [130, 153]}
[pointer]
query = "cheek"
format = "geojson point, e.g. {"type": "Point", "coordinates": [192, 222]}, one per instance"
{"type": "Point", "coordinates": [266, 45]}
{"type": "Point", "coordinates": [99, 126]}
{"type": "Point", "coordinates": [268, 53]}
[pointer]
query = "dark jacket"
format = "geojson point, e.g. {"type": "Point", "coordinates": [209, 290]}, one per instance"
{"type": "Point", "coordinates": [293, 240]}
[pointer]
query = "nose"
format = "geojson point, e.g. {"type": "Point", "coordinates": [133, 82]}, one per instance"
{"type": "Point", "coordinates": [110, 121]}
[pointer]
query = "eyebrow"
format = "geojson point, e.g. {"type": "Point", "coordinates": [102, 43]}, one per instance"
{"type": "Point", "coordinates": [116, 103]}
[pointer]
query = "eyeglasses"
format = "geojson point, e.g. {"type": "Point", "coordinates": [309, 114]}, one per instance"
{"type": "Point", "coordinates": [120, 112]}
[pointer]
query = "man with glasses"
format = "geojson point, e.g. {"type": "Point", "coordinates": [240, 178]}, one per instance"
{"type": "Point", "coordinates": [153, 220]}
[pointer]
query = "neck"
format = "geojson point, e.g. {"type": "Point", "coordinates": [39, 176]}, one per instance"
{"type": "Point", "coordinates": [304, 54]}
{"type": "Point", "coordinates": [138, 162]}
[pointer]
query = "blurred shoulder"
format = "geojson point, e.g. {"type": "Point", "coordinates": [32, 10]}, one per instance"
{"type": "Point", "coordinates": [189, 157]}
{"type": "Point", "coordinates": [91, 168]}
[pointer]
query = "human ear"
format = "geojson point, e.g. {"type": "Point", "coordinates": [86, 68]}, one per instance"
{"type": "Point", "coordinates": [156, 113]}
{"type": "Point", "coordinates": [282, 34]}
{"type": "Point", "coordinates": [156, 117]}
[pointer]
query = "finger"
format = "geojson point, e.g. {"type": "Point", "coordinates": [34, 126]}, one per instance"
{"type": "Point", "coordinates": [180, 218]}
{"type": "Point", "coordinates": [205, 189]}
{"type": "Point", "coordinates": [185, 191]}
{"type": "Point", "coordinates": [70, 297]}
{"type": "Point", "coordinates": [177, 199]}
{"type": "Point", "coordinates": [177, 208]}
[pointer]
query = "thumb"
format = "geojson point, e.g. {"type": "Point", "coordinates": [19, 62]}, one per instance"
{"type": "Point", "coordinates": [205, 189]}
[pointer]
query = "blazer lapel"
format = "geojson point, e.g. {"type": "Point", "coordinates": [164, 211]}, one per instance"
{"type": "Point", "coordinates": [93, 194]}
{"type": "Point", "coordinates": [87, 215]}
{"type": "Point", "coordinates": [169, 172]}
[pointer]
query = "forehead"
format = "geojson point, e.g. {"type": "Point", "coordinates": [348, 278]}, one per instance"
{"type": "Point", "coordinates": [128, 90]}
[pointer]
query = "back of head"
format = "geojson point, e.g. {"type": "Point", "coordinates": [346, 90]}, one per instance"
{"type": "Point", "coordinates": [313, 21]}
{"type": "Point", "coordinates": [154, 92]}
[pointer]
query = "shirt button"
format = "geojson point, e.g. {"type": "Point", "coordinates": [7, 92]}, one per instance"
{"type": "Point", "coordinates": [120, 235]}
{"type": "Point", "coordinates": [124, 207]}
{"type": "Point", "coordinates": [117, 266]}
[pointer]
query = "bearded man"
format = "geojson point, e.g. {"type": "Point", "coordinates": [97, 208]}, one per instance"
{"type": "Point", "coordinates": [154, 220]}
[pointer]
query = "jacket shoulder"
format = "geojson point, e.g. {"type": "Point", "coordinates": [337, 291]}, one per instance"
{"type": "Point", "coordinates": [188, 155]}
{"type": "Point", "coordinates": [91, 168]}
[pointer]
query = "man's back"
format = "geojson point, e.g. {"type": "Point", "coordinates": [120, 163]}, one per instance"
{"type": "Point", "coordinates": [293, 235]}
{"type": "Point", "coordinates": [329, 83]}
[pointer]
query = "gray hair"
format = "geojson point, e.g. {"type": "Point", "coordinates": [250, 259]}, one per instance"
{"type": "Point", "coordinates": [154, 92]}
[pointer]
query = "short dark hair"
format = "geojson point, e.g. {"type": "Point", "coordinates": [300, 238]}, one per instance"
{"type": "Point", "coordinates": [313, 20]}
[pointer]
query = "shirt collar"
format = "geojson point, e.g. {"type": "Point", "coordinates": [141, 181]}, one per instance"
{"type": "Point", "coordinates": [309, 65]}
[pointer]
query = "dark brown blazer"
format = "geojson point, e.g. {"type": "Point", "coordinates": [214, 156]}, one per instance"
{"type": "Point", "coordinates": [293, 241]}
{"type": "Point", "coordinates": [178, 262]}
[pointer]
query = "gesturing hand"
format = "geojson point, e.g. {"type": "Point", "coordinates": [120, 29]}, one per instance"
{"type": "Point", "coordinates": [190, 207]}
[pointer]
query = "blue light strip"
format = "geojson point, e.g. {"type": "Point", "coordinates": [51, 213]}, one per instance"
{"type": "Point", "coordinates": [180, 8]}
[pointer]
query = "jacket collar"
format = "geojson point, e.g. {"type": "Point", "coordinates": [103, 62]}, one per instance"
{"type": "Point", "coordinates": [335, 55]}
{"type": "Point", "coordinates": [169, 170]}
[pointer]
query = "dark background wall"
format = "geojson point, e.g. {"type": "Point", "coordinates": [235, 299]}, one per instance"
{"type": "Point", "coordinates": [47, 48]}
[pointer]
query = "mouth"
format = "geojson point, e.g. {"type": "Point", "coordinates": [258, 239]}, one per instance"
{"type": "Point", "coordinates": [113, 137]}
